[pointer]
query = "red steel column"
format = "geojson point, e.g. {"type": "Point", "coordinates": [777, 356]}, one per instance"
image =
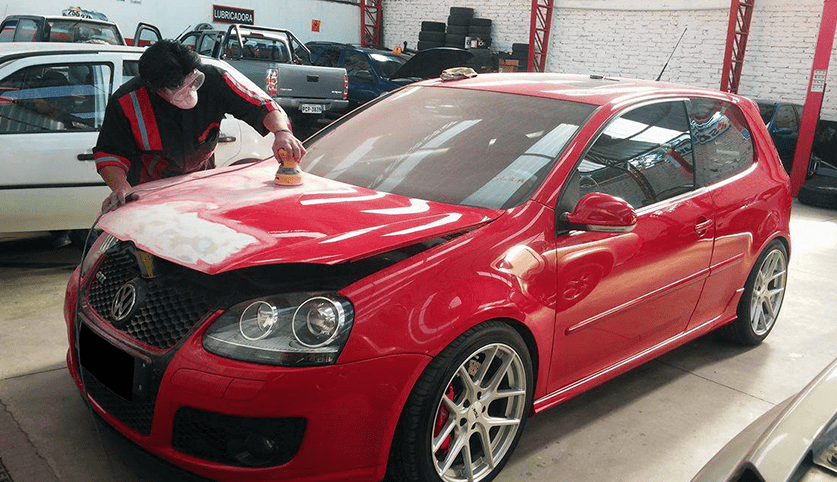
{"type": "Point", "coordinates": [539, 30]}
{"type": "Point", "coordinates": [371, 19]}
{"type": "Point", "coordinates": [740, 14]}
{"type": "Point", "coordinates": [813, 99]}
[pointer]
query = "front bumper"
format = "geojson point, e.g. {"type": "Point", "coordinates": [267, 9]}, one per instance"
{"type": "Point", "coordinates": [349, 411]}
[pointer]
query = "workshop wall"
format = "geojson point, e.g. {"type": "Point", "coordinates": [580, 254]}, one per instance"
{"type": "Point", "coordinates": [612, 37]}
{"type": "Point", "coordinates": [338, 21]}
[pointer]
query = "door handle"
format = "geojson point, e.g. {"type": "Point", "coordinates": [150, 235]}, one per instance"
{"type": "Point", "coordinates": [313, 78]}
{"type": "Point", "coordinates": [703, 226]}
{"type": "Point", "coordinates": [224, 138]}
{"type": "Point", "coordinates": [85, 157]}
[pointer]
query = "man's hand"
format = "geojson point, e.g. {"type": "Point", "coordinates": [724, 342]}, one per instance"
{"type": "Point", "coordinates": [286, 147]}
{"type": "Point", "coordinates": [118, 197]}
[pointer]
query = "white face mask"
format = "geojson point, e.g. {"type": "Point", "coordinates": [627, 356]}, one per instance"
{"type": "Point", "coordinates": [187, 102]}
{"type": "Point", "coordinates": [185, 96]}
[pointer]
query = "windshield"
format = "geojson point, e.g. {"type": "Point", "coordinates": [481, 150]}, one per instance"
{"type": "Point", "coordinates": [457, 146]}
{"type": "Point", "coordinates": [80, 31]}
{"type": "Point", "coordinates": [386, 65]}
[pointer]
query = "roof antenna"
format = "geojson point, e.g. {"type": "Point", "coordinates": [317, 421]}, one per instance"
{"type": "Point", "coordinates": [672, 53]}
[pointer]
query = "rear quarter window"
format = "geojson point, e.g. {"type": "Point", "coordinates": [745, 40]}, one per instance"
{"type": "Point", "coordinates": [7, 32]}
{"type": "Point", "coordinates": [722, 139]}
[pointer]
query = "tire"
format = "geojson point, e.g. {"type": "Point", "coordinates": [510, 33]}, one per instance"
{"type": "Point", "coordinates": [432, 26]}
{"type": "Point", "coordinates": [462, 11]}
{"type": "Point", "coordinates": [424, 45]}
{"type": "Point", "coordinates": [479, 31]}
{"type": "Point", "coordinates": [432, 36]}
{"type": "Point", "coordinates": [455, 40]}
{"type": "Point", "coordinates": [481, 22]}
{"type": "Point", "coordinates": [520, 48]}
{"type": "Point", "coordinates": [459, 20]}
{"type": "Point", "coordinates": [759, 308]}
{"type": "Point", "coordinates": [447, 398]}
{"type": "Point", "coordinates": [457, 30]}
{"type": "Point", "coordinates": [819, 191]}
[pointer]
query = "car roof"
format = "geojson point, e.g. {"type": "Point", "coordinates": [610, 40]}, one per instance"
{"type": "Point", "coordinates": [18, 49]}
{"type": "Point", "coordinates": [588, 89]}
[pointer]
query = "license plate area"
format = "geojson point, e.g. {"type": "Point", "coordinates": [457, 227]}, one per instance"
{"type": "Point", "coordinates": [311, 108]}
{"type": "Point", "coordinates": [113, 367]}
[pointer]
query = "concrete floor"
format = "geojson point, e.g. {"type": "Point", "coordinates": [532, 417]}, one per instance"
{"type": "Point", "coordinates": [660, 422]}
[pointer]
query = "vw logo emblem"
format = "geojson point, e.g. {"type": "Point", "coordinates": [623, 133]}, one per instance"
{"type": "Point", "coordinates": [125, 302]}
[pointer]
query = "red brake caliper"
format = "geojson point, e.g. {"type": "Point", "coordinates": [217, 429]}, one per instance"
{"type": "Point", "coordinates": [443, 417]}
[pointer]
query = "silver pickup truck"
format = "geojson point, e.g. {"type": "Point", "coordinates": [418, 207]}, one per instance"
{"type": "Point", "coordinates": [275, 60]}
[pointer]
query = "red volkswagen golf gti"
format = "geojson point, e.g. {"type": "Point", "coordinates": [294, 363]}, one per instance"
{"type": "Point", "coordinates": [460, 255]}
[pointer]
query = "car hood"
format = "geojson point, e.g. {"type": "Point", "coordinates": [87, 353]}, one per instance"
{"type": "Point", "coordinates": [217, 221]}
{"type": "Point", "coordinates": [430, 63]}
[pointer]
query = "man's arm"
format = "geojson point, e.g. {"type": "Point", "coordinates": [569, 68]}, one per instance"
{"type": "Point", "coordinates": [286, 147]}
{"type": "Point", "coordinates": [117, 179]}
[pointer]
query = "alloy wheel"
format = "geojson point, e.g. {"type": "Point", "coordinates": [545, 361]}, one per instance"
{"type": "Point", "coordinates": [479, 414]}
{"type": "Point", "coordinates": [768, 292]}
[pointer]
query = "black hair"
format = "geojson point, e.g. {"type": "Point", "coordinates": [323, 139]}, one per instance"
{"type": "Point", "coordinates": [166, 63]}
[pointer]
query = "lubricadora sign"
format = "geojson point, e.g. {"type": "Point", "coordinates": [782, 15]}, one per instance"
{"type": "Point", "coordinates": [233, 15]}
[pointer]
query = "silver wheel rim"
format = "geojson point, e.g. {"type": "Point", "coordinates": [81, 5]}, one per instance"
{"type": "Point", "coordinates": [479, 414]}
{"type": "Point", "coordinates": [768, 292]}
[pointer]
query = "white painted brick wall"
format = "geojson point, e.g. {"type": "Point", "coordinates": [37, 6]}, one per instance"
{"type": "Point", "coordinates": [616, 39]}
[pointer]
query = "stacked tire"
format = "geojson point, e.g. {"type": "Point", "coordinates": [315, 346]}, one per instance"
{"type": "Point", "coordinates": [459, 24]}
{"type": "Point", "coordinates": [432, 34]}
{"type": "Point", "coordinates": [480, 28]}
{"type": "Point", "coordinates": [520, 52]}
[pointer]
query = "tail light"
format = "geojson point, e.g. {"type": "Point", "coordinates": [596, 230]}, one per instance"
{"type": "Point", "coordinates": [345, 86]}
{"type": "Point", "coordinates": [271, 82]}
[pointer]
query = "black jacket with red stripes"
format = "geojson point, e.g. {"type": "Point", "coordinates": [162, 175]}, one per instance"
{"type": "Point", "coordinates": [152, 139]}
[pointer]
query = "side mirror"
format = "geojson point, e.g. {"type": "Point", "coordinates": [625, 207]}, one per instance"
{"type": "Point", "coordinates": [365, 76]}
{"type": "Point", "coordinates": [600, 212]}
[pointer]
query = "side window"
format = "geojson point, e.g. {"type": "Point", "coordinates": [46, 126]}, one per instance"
{"type": "Point", "coordinates": [54, 98]}
{"type": "Point", "coordinates": [785, 119]}
{"type": "Point", "coordinates": [643, 156]}
{"type": "Point", "coordinates": [190, 41]}
{"type": "Point", "coordinates": [130, 69]}
{"type": "Point", "coordinates": [723, 144]}
{"type": "Point", "coordinates": [326, 56]}
{"type": "Point", "coordinates": [7, 34]}
{"type": "Point", "coordinates": [27, 31]}
{"type": "Point", "coordinates": [354, 62]}
{"type": "Point", "coordinates": [766, 112]}
{"type": "Point", "coordinates": [207, 45]}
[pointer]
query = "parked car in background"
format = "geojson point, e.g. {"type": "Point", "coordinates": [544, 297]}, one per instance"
{"type": "Point", "coordinates": [460, 255]}
{"type": "Point", "coordinates": [275, 60]}
{"type": "Point", "coordinates": [373, 72]}
{"type": "Point", "coordinates": [795, 441]}
{"type": "Point", "coordinates": [45, 28]}
{"type": "Point", "coordinates": [782, 120]}
{"type": "Point", "coordinates": [52, 102]}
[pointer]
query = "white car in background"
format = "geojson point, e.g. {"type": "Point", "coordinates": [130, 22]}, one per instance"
{"type": "Point", "coordinates": [52, 102]}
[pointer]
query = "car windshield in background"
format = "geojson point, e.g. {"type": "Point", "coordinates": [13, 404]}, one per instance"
{"type": "Point", "coordinates": [386, 65]}
{"type": "Point", "coordinates": [79, 31]}
{"type": "Point", "coordinates": [456, 146]}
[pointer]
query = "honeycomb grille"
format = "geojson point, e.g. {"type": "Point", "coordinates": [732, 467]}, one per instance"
{"type": "Point", "coordinates": [223, 438]}
{"type": "Point", "coordinates": [173, 305]}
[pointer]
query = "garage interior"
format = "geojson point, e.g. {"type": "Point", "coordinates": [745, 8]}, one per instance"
{"type": "Point", "coordinates": [660, 422]}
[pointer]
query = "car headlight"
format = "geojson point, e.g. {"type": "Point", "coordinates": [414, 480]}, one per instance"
{"type": "Point", "coordinates": [291, 329]}
{"type": "Point", "coordinates": [103, 243]}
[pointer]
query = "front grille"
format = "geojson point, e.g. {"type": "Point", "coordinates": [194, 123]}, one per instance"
{"type": "Point", "coordinates": [237, 441]}
{"type": "Point", "coordinates": [137, 414]}
{"type": "Point", "coordinates": [173, 304]}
